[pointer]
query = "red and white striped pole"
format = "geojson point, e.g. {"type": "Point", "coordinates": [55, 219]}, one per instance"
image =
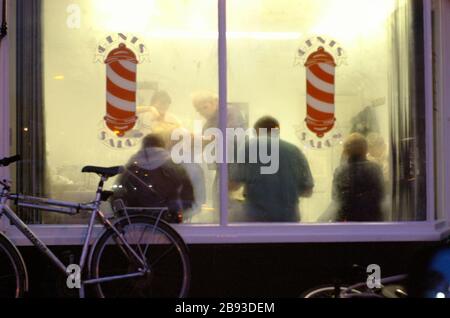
{"type": "Point", "coordinates": [320, 80]}
{"type": "Point", "coordinates": [121, 90]}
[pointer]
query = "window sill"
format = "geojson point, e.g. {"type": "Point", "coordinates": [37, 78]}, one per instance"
{"type": "Point", "coordinates": [261, 233]}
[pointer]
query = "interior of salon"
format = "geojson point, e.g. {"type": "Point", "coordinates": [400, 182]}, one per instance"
{"type": "Point", "coordinates": [268, 46]}
{"type": "Point", "coordinates": [185, 148]}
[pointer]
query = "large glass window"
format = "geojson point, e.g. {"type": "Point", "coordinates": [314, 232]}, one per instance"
{"type": "Point", "coordinates": [342, 81]}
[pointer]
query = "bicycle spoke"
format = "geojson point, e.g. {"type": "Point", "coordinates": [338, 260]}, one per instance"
{"type": "Point", "coordinates": [148, 244]}
{"type": "Point", "coordinates": [143, 253]}
{"type": "Point", "coordinates": [161, 257]}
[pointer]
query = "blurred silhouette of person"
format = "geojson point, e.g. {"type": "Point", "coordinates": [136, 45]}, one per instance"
{"type": "Point", "coordinates": [358, 185]}
{"type": "Point", "coordinates": [152, 179]}
{"type": "Point", "coordinates": [272, 197]}
{"type": "Point", "coordinates": [377, 152]}
{"type": "Point", "coordinates": [365, 122]}
{"type": "Point", "coordinates": [196, 176]}
{"type": "Point", "coordinates": [156, 118]}
{"type": "Point", "coordinates": [206, 104]}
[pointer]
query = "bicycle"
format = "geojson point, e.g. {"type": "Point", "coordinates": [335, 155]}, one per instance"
{"type": "Point", "coordinates": [359, 290]}
{"type": "Point", "coordinates": [134, 256]}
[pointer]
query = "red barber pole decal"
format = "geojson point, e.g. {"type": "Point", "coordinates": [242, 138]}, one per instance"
{"type": "Point", "coordinates": [320, 79]}
{"type": "Point", "coordinates": [121, 90]}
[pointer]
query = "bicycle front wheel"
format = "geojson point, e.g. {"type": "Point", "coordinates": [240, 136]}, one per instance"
{"type": "Point", "coordinates": [167, 270]}
{"type": "Point", "coordinates": [13, 275]}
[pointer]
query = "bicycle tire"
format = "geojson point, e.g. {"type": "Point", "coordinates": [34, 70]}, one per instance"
{"type": "Point", "coordinates": [325, 291]}
{"type": "Point", "coordinates": [13, 272]}
{"type": "Point", "coordinates": [108, 259]}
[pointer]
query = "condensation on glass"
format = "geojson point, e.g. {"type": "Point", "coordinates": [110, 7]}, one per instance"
{"type": "Point", "coordinates": [370, 54]}
{"type": "Point", "coordinates": [325, 70]}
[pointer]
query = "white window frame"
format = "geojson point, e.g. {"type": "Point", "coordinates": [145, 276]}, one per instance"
{"type": "Point", "coordinates": [437, 152]}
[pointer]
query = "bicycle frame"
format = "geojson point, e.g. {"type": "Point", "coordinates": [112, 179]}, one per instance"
{"type": "Point", "coordinates": [71, 209]}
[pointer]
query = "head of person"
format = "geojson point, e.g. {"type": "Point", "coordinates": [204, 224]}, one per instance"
{"type": "Point", "coordinates": [161, 101]}
{"type": "Point", "coordinates": [206, 104]}
{"type": "Point", "coordinates": [377, 146]}
{"type": "Point", "coordinates": [266, 126]}
{"type": "Point", "coordinates": [356, 147]}
{"type": "Point", "coordinates": [153, 141]}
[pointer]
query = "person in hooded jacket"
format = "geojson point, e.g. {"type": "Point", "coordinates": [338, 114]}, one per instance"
{"type": "Point", "coordinates": [358, 184]}
{"type": "Point", "coordinates": [152, 179]}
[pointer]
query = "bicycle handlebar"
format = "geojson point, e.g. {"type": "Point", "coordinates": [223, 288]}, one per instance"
{"type": "Point", "coordinates": [9, 160]}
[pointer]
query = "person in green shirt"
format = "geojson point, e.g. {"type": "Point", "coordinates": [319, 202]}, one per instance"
{"type": "Point", "coordinates": [272, 197]}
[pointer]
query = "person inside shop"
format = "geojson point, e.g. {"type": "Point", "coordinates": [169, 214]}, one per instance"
{"type": "Point", "coordinates": [206, 104]}
{"type": "Point", "coordinates": [272, 197]}
{"type": "Point", "coordinates": [378, 153]}
{"type": "Point", "coordinates": [358, 184]}
{"type": "Point", "coordinates": [156, 117]}
{"type": "Point", "coordinates": [197, 178]}
{"type": "Point", "coordinates": [152, 179]}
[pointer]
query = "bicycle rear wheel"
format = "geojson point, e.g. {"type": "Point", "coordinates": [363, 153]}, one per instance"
{"type": "Point", "coordinates": [326, 291]}
{"type": "Point", "coordinates": [164, 251]}
{"type": "Point", "coordinates": [13, 277]}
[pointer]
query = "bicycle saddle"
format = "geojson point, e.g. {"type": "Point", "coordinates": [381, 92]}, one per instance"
{"type": "Point", "coordinates": [106, 172]}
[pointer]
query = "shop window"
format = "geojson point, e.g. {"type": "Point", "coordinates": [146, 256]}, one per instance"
{"type": "Point", "coordinates": [95, 111]}
{"type": "Point", "coordinates": [324, 70]}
